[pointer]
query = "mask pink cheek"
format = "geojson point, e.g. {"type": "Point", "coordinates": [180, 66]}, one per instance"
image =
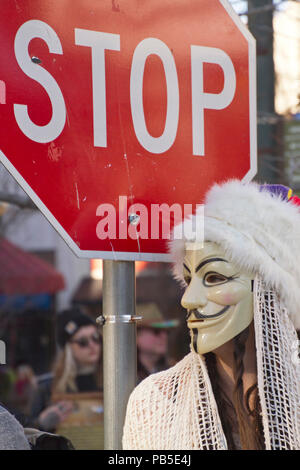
{"type": "Point", "coordinates": [227, 295]}
{"type": "Point", "coordinates": [232, 298]}
{"type": "Point", "coordinates": [229, 299]}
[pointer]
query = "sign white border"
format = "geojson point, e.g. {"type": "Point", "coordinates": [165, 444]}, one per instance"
{"type": "Point", "coordinates": [162, 257]}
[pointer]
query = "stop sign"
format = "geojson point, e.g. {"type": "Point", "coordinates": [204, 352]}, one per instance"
{"type": "Point", "coordinates": [117, 116]}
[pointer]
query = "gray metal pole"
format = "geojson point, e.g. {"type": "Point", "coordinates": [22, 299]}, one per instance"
{"type": "Point", "coordinates": [119, 346]}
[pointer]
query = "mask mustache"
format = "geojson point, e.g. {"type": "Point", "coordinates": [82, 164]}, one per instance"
{"type": "Point", "coordinates": [191, 312]}
{"type": "Point", "coordinates": [202, 317]}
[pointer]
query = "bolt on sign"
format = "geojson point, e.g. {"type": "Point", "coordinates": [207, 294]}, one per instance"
{"type": "Point", "coordinates": [117, 116]}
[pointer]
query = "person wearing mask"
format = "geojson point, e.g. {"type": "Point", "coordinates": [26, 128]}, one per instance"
{"type": "Point", "coordinates": [238, 388]}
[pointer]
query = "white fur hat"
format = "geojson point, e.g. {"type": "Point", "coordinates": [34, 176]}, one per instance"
{"type": "Point", "coordinates": [258, 230]}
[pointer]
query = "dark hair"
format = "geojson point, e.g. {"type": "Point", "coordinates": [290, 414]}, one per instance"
{"type": "Point", "coordinates": [250, 428]}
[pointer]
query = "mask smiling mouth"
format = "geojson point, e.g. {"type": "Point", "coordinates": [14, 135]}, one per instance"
{"type": "Point", "coordinates": [200, 317]}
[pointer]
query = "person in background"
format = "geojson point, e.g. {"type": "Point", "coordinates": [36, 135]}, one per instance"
{"type": "Point", "coordinates": [76, 369]}
{"type": "Point", "coordinates": [152, 340]}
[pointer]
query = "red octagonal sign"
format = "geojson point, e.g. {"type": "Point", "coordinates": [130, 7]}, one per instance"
{"type": "Point", "coordinates": [117, 115]}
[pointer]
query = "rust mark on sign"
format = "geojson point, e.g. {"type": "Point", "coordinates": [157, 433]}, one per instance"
{"type": "Point", "coordinates": [54, 152]}
{"type": "Point", "coordinates": [18, 8]}
{"type": "Point", "coordinates": [77, 196]}
{"type": "Point", "coordinates": [2, 92]}
{"type": "Point", "coordinates": [115, 7]}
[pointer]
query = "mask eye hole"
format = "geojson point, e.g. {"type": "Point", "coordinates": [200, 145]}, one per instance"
{"type": "Point", "coordinates": [187, 279]}
{"type": "Point", "coordinates": [212, 279]}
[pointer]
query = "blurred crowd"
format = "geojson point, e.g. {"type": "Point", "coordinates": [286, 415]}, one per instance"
{"type": "Point", "coordinates": [68, 400]}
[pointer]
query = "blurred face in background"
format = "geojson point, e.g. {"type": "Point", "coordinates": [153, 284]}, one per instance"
{"type": "Point", "coordinates": [86, 345]}
{"type": "Point", "coordinates": [152, 341]}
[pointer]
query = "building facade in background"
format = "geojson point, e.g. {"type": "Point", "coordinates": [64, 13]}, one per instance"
{"type": "Point", "coordinates": [32, 232]}
{"type": "Point", "coordinates": [287, 59]}
{"type": "Point", "coordinates": [287, 88]}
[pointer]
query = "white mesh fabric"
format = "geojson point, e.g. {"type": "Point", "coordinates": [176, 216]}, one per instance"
{"type": "Point", "coordinates": [278, 371]}
{"type": "Point", "coordinates": [174, 409]}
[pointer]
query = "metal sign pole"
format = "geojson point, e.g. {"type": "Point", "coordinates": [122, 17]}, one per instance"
{"type": "Point", "coordinates": [119, 346]}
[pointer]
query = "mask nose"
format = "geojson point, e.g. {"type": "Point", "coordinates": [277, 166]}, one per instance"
{"type": "Point", "coordinates": [194, 296]}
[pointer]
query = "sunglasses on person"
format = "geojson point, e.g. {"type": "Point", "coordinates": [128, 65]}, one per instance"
{"type": "Point", "coordinates": [84, 341]}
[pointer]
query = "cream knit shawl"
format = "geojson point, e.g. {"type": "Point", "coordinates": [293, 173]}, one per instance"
{"type": "Point", "coordinates": [176, 409]}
